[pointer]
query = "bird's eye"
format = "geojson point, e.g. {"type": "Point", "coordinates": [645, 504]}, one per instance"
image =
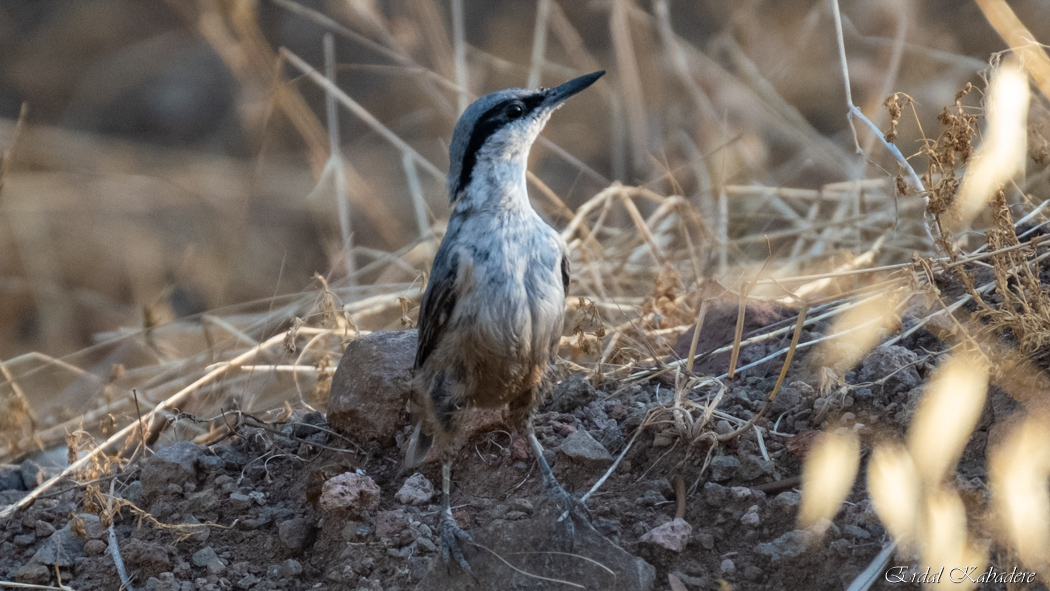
{"type": "Point", "coordinates": [515, 110]}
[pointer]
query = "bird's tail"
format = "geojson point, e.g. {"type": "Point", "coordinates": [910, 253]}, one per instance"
{"type": "Point", "coordinates": [418, 446]}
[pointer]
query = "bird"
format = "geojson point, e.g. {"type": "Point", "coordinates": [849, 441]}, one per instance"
{"type": "Point", "coordinates": [493, 311]}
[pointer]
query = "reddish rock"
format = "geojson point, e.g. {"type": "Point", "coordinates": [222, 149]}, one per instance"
{"type": "Point", "coordinates": [349, 493]}
{"type": "Point", "coordinates": [417, 490]}
{"type": "Point", "coordinates": [372, 384]}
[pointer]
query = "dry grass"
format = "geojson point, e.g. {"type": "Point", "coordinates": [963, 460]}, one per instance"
{"type": "Point", "coordinates": [733, 194]}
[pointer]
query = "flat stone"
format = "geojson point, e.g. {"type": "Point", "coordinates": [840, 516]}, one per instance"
{"type": "Point", "coordinates": [788, 546]}
{"type": "Point", "coordinates": [724, 467]}
{"type": "Point", "coordinates": [527, 544]}
{"type": "Point", "coordinates": [62, 549]}
{"type": "Point", "coordinates": [371, 386]}
{"type": "Point", "coordinates": [581, 447]}
{"type": "Point", "coordinates": [175, 464]}
{"type": "Point", "coordinates": [34, 574]}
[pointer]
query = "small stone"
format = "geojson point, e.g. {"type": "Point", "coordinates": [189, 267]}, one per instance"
{"type": "Point", "coordinates": [210, 463]}
{"type": "Point", "coordinates": [296, 534]}
{"type": "Point", "coordinates": [34, 574]}
{"type": "Point", "coordinates": [349, 492]}
{"type": "Point", "coordinates": [216, 566]}
{"type": "Point", "coordinates": [706, 540]}
{"type": "Point", "coordinates": [62, 548]}
{"type": "Point", "coordinates": [417, 490]}
{"type": "Point", "coordinates": [240, 501]}
{"type": "Point", "coordinates": [754, 467]}
{"type": "Point", "coordinates": [572, 393]}
{"type": "Point", "coordinates": [94, 548]}
{"type": "Point", "coordinates": [248, 581]}
{"type": "Point", "coordinates": [43, 529]}
{"type": "Point", "coordinates": [788, 500]}
{"type": "Point", "coordinates": [390, 523]}
{"type": "Point", "coordinates": [175, 464]}
{"type": "Point", "coordinates": [33, 475]}
{"type": "Point", "coordinates": [673, 535]}
{"type": "Point", "coordinates": [24, 539]}
{"type": "Point", "coordinates": [149, 558]}
{"type": "Point", "coordinates": [715, 495]}
{"type": "Point", "coordinates": [788, 546]}
{"type": "Point", "coordinates": [724, 467]}
{"type": "Point", "coordinates": [291, 568]}
{"type": "Point", "coordinates": [520, 504]}
{"type": "Point", "coordinates": [727, 567]}
{"type": "Point", "coordinates": [89, 526]}
{"type": "Point", "coordinates": [857, 532]}
{"type": "Point", "coordinates": [842, 547]}
{"type": "Point", "coordinates": [583, 448]}
{"type": "Point", "coordinates": [723, 427]}
{"type": "Point", "coordinates": [163, 582]}
{"type": "Point", "coordinates": [205, 555]}
{"type": "Point", "coordinates": [11, 477]}
{"type": "Point", "coordinates": [753, 573]}
{"type": "Point", "coordinates": [751, 517]}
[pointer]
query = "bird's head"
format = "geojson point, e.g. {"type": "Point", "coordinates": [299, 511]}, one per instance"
{"type": "Point", "coordinates": [500, 127]}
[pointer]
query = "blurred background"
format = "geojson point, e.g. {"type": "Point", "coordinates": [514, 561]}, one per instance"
{"type": "Point", "coordinates": [169, 158]}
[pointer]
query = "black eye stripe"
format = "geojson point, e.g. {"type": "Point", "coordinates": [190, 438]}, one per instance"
{"type": "Point", "coordinates": [489, 122]}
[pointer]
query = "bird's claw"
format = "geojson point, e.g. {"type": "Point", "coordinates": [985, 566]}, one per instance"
{"type": "Point", "coordinates": [572, 508]}
{"type": "Point", "coordinates": [451, 534]}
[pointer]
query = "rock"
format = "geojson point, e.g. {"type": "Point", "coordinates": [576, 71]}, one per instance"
{"type": "Point", "coordinates": [296, 534]}
{"type": "Point", "coordinates": [788, 500]}
{"type": "Point", "coordinates": [754, 467]}
{"type": "Point", "coordinates": [33, 475]}
{"type": "Point", "coordinates": [34, 574]}
{"type": "Point", "coordinates": [291, 568]}
{"type": "Point", "coordinates": [751, 518]}
{"type": "Point", "coordinates": [896, 365]}
{"type": "Point", "coordinates": [210, 463]}
{"type": "Point", "coordinates": [390, 523]}
{"type": "Point", "coordinates": [788, 546]}
{"type": "Point", "coordinates": [247, 582]}
{"type": "Point", "coordinates": [372, 384]}
{"type": "Point", "coordinates": [62, 548]}
{"type": "Point", "coordinates": [673, 535]}
{"type": "Point", "coordinates": [349, 492]}
{"type": "Point", "coordinates": [789, 398]}
{"type": "Point", "coordinates": [88, 526]}
{"type": "Point", "coordinates": [572, 393]}
{"type": "Point", "coordinates": [527, 544]}
{"type": "Point", "coordinates": [205, 555]}
{"type": "Point", "coordinates": [240, 501]}
{"type": "Point", "coordinates": [146, 557]}
{"type": "Point", "coordinates": [417, 490]}
{"type": "Point", "coordinates": [581, 447]}
{"type": "Point", "coordinates": [43, 529]}
{"type": "Point", "coordinates": [94, 548]}
{"type": "Point", "coordinates": [175, 464]}
{"type": "Point", "coordinates": [163, 582]}
{"type": "Point", "coordinates": [216, 566]}
{"type": "Point", "coordinates": [11, 477]}
{"type": "Point", "coordinates": [727, 567]}
{"type": "Point", "coordinates": [724, 467]}
{"type": "Point", "coordinates": [715, 495]}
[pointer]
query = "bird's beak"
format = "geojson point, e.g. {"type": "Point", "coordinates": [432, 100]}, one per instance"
{"type": "Point", "coordinates": [558, 95]}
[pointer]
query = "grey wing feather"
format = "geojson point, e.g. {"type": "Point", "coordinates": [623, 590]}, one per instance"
{"type": "Point", "coordinates": [565, 273]}
{"type": "Point", "coordinates": [438, 303]}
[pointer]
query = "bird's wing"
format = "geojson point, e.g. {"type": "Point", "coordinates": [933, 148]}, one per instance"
{"type": "Point", "coordinates": [438, 303]}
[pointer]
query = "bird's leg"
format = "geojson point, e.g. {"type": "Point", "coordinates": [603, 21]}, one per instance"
{"type": "Point", "coordinates": [450, 530]}
{"type": "Point", "coordinates": [567, 502]}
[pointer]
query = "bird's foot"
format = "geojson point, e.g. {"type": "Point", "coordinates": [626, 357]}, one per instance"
{"type": "Point", "coordinates": [451, 534]}
{"type": "Point", "coordinates": [570, 508]}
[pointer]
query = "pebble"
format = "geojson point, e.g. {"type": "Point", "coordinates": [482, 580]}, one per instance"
{"type": "Point", "coordinates": [417, 490]}
{"type": "Point", "coordinates": [349, 492]}
{"type": "Point", "coordinates": [727, 567]}
{"type": "Point", "coordinates": [673, 535]}
{"type": "Point", "coordinates": [581, 447]}
{"type": "Point", "coordinates": [724, 467]}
